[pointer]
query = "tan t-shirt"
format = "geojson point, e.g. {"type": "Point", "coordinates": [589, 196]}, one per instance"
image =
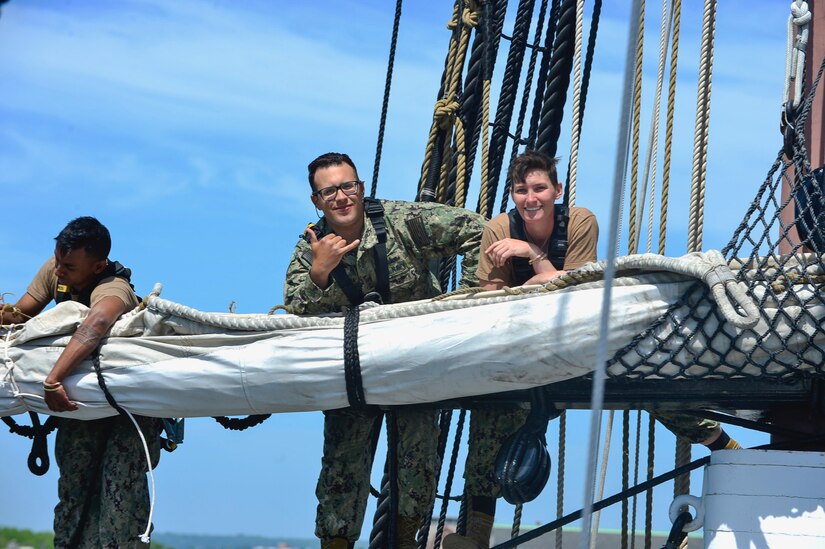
{"type": "Point", "coordinates": [582, 237]}
{"type": "Point", "coordinates": [44, 288]}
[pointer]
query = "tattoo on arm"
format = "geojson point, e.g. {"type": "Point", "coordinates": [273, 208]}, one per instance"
{"type": "Point", "coordinates": [87, 336]}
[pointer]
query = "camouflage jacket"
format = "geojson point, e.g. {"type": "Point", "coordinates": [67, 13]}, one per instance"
{"type": "Point", "coordinates": [416, 233]}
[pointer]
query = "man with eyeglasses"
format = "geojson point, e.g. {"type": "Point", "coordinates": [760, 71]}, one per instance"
{"type": "Point", "coordinates": [360, 247]}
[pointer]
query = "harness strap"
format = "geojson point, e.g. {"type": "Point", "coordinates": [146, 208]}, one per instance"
{"type": "Point", "coordinates": [113, 268]}
{"type": "Point", "coordinates": [375, 212]}
{"type": "Point", "coordinates": [556, 247]}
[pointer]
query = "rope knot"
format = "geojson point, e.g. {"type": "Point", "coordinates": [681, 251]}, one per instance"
{"type": "Point", "coordinates": [800, 13]}
{"type": "Point", "coordinates": [445, 112]}
{"type": "Point", "coordinates": [470, 15]}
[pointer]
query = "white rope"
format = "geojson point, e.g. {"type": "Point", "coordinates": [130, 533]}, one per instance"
{"type": "Point", "coordinates": [577, 77]}
{"type": "Point", "coordinates": [145, 536]}
{"type": "Point", "coordinates": [709, 267]}
{"type": "Point", "coordinates": [597, 398]}
{"type": "Point", "coordinates": [608, 433]}
{"type": "Point", "coordinates": [798, 23]}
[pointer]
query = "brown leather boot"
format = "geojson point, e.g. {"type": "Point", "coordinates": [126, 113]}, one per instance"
{"type": "Point", "coordinates": [479, 527]}
{"type": "Point", "coordinates": [337, 543]}
{"type": "Point", "coordinates": [406, 529]}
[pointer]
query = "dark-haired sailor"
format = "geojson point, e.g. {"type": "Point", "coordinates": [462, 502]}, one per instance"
{"type": "Point", "coordinates": [102, 489]}
{"type": "Point", "coordinates": [534, 243]}
{"type": "Point", "coordinates": [361, 246]}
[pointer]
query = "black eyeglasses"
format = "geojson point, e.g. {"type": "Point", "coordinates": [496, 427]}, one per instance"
{"type": "Point", "coordinates": [349, 188]}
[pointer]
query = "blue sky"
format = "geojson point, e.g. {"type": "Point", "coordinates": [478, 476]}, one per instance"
{"type": "Point", "coordinates": [186, 128]}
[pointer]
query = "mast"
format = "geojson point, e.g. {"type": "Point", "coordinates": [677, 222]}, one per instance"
{"type": "Point", "coordinates": [808, 418]}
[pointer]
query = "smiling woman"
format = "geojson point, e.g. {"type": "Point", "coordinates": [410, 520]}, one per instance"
{"type": "Point", "coordinates": [186, 128]}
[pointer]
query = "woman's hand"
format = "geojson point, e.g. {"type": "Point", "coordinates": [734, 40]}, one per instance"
{"type": "Point", "coordinates": [500, 252]}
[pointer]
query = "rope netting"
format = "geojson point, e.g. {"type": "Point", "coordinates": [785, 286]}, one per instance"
{"type": "Point", "coordinates": [782, 273]}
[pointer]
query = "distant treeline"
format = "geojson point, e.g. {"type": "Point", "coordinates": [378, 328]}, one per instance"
{"type": "Point", "coordinates": [14, 537]}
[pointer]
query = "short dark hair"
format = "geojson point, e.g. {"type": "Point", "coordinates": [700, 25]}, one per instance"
{"type": "Point", "coordinates": [529, 161]}
{"type": "Point", "coordinates": [85, 233]}
{"type": "Point", "coordinates": [325, 161]}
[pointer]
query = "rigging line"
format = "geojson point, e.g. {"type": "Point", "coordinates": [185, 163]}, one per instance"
{"type": "Point", "coordinates": [575, 129]}
{"type": "Point", "coordinates": [795, 52]}
{"type": "Point", "coordinates": [701, 132]}
{"type": "Point", "coordinates": [632, 243]}
{"type": "Point", "coordinates": [608, 432]}
{"type": "Point", "coordinates": [525, 98]}
{"type": "Point", "coordinates": [490, 20]}
{"type": "Point", "coordinates": [625, 473]}
{"type": "Point", "coordinates": [552, 111]}
{"type": "Point", "coordinates": [385, 106]}
{"type": "Point", "coordinates": [597, 398]}
{"type": "Point", "coordinates": [588, 65]}
{"type": "Point", "coordinates": [507, 98]}
{"type": "Point", "coordinates": [560, 458]}
{"type": "Point", "coordinates": [676, 10]}
{"type": "Point", "coordinates": [637, 440]}
{"type": "Point", "coordinates": [653, 138]}
{"type": "Point", "coordinates": [544, 70]}
{"type": "Point", "coordinates": [681, 484]}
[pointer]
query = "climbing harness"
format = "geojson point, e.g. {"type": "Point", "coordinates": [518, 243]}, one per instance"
{"type": "Point", "coordinates": [374, 210]}
{"type": "Point", "coordinates": [113, 269]}
{"type": "Point", "coordinates": [556, 246]}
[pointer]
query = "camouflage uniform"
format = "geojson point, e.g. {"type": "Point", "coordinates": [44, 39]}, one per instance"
{"type": "Point", "coordinates": [104, 499]}
{"type": "Point", "coordinates": [416, 234]}
{"type": "Point", "coordinates": [102, 489]}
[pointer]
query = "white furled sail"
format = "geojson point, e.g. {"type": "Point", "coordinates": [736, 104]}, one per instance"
{"type": "Point", "coordinates": [167, 360]}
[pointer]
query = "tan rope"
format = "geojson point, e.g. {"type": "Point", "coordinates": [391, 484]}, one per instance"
{"type": "Point", "coordinates": [700, 143]}
{"type": "Point", "coordinates": [446, 115]}
{"type": "Point", "coordinates": [485, 153]}
{"type": "Point", "coordinates": [632, 243]}
{"type": "Point", "coordinates": [671, 106]}
{"type": "Point", "coordinates": [575, 130]}
{"type": "Point", "coordinates": [681, 484]}
{"type": "Point", "coordinates": [653, 143]}
{"type": "Point", "coordinates": [444, 108]}
{"type": "Point", "coordinates": [560, 474]}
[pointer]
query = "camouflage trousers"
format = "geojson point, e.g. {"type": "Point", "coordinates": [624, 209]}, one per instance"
{"type": "Point", "coordinates": [102, 489]}
{"type": "Point", "coordinates": [490, 428]}
{"type": "Point", "coordinates": [344, 482]}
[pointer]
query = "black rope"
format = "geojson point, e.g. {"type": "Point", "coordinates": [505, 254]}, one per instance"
{"type": "Point", "coordinates": [507, 99]}
{"type": "Point", "coordinates": [556, 95]}
{"type": "Point", "coordinates": [30, 431]}
{"type": "Point", "coordinates": [528, 85]}
{"type": "Point", "coordinates": [385, 105]}
{"type": "Point", "coordinates": [677, 533]}
{"type": "Point", "coordinates": [480, 66]}
{"type": "Point", "coordinates": [239, 424]}
{"type": "Point", "coordinates": [102, 383]}
{"type": "Point", "coordinates": [38, 460]}
{"type": "Point", "coordinates": [352, 361]}
{"type": "Point", "coordinates": [445, 419]}
{"type": "Point", "coordinates": [544, 70]}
